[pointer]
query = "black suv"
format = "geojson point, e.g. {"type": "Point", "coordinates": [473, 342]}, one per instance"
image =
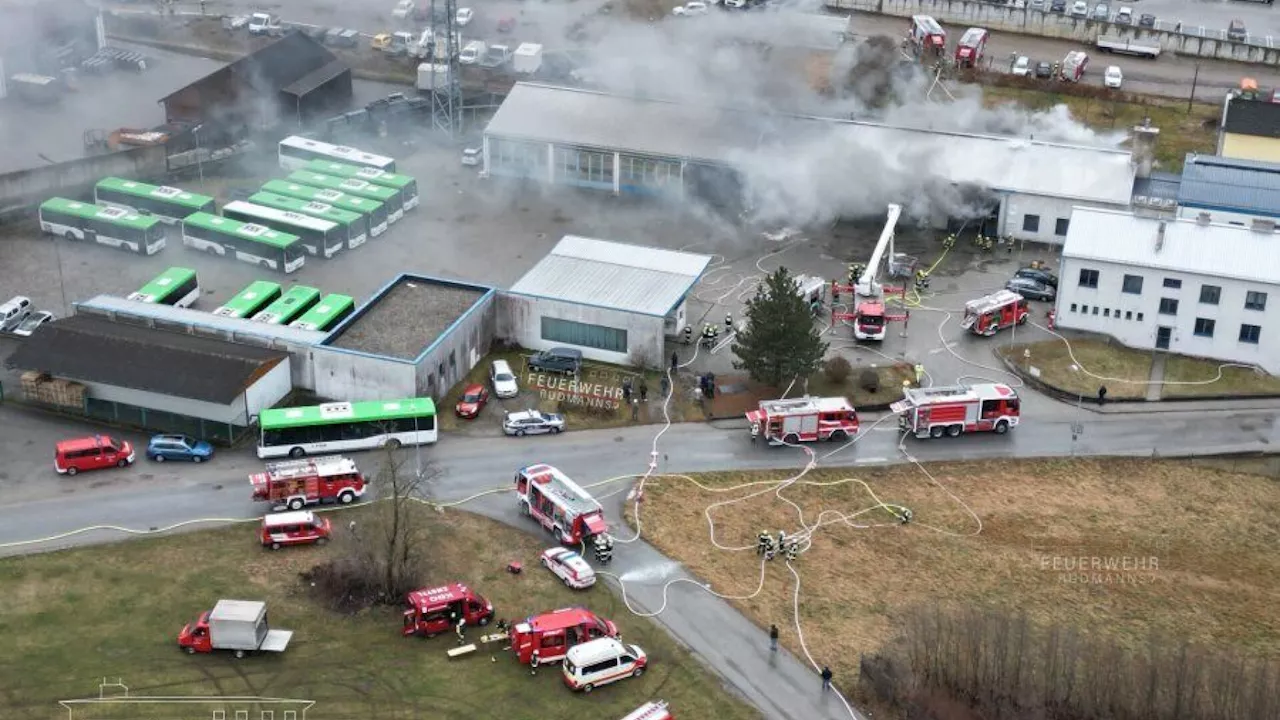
{"type": "Point", "coordinates": [561, 360]}
{"type": "Point", "coordinates": [1039, 274]}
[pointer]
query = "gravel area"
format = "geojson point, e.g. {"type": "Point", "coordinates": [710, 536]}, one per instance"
{"type": "Point", "coordinates": [405, 321]}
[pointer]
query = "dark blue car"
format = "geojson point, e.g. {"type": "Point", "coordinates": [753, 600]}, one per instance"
{"type": "Point", "coordinates": [178, 447]}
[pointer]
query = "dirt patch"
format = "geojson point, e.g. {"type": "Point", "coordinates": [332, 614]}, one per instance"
{"type": "Point", "coordinates": [1130, 548]}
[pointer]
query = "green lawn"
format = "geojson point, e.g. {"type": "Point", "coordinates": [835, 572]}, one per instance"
{"type": "Point", "coordinates": [1225, 380]}
{"type": "Point", "coordinates": [71, 618]}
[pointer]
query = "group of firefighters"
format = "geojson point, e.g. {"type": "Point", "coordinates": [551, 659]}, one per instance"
{"type": "Point", "coordinates": [710, 332]}
{"type": "Point", "coordinates": [768, 547]}
{"type": "Point", "coordinates": [603, 547]}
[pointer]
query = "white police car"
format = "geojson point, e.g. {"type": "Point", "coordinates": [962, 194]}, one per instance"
{"type": "Point", "coordinates": [569, 567]}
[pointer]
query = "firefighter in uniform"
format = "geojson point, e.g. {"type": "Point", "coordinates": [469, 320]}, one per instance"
{"type": "Point", "coordinates": [782, 539]}
{"type": "Point", "coordinates": [460, 629]}
{"type": "Point", "coordinates": [604, 548]}
{"type": "Point", "coordinates": [762, 542]}
{"type": "Point", "coordinates": [688, 334]}
{"type": "Point", "coordinates": [728, 323]}
{"type": "Point", "coordinates": [793, 549]}
{"type": "Point", "coordinates": [922, 280]}
{"type": "Point", "coordinates": [768, 548]}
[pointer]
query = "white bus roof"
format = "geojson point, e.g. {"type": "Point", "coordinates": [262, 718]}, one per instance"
{"type": "Point", "coordinates": [336, 152]}
{"type": "Point", "coordinates": [286, 216]}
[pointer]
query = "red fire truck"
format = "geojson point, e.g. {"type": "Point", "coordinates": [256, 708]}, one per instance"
{"type": "Point", "coordinates": [995, 312]}
{"type": "Point", "coordinates": [559, 504]}
{"type": "Point", "coordinates": [804, 419]}
{"type": "Point", "coordinates": [869, 321]}
{"type": "Point", "coordinates": [545, 638]}
{"type": "Point", "coordinates": [972, 47]}
{"type": "Point", "coordinates": [932, 412]}
{"type": "Point", "coordinates": [927, 35]}
{"type": "Point", "coordinates": [295, 483]}
{"type": "Point", "coordinates": [435, 610]}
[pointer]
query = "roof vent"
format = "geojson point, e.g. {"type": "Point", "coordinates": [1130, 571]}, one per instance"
{"type": "Point", "coordinates": [1160, 236]}
{"type": "Point", "coordinates": [1202, 218]}
{"type": "Point", "coordinates": [1260, 225]}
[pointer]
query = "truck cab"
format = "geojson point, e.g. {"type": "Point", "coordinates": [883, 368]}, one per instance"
{"type": "Point", "coordinates": [432, 611]}
{"type": "Point", "coordinates": [194, 637]}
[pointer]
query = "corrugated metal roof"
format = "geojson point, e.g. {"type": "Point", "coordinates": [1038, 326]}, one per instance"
{"type": "Point", "coordinates": [1159, 185]}
{"type": "Point", "coordinates": [620, 276]}
{"type": "Point", "coordinates": [589, 119]}
{"type": "Point", "coordinates": [1220, 183]}
{"type": "Point", "coordinates": [1225, 251]}
{"type": "Point", "coordinates": [204, 320]}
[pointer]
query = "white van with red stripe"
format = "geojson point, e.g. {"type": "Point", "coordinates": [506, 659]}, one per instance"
{"type": "Point", "coordinates": [600, 662]}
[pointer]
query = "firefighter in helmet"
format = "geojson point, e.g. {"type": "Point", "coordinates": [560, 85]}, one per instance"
{"type": "Point", "coordinates": [688, 334]}
{"type": "Point", "coordinates": [762, 542]}
{"type": "Point", "coordinates": [728, 323]}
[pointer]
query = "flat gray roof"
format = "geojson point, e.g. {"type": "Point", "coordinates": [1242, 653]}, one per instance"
{"type": "Point", "coordinates": [407, 317]}
{"type": "Point", "coordinates": [618, 276]}
{"type": "Point", "coordinates": [590, 119]}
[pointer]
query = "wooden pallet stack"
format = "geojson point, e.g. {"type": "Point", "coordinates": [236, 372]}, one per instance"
{"type": "Point", "coordinates": [41, 388]}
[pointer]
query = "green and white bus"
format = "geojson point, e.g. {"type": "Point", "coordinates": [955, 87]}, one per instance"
{"type": "Point", "coordinates": [343, 426]}
{"type": "Point", "coordinates": [296, 151]}
{"type": "Point", "coordinates": [354, 186]}
{"type": "Point", "coordinates": [250, 300]}
{"type": "Point", "coordinates": [247, 242]}
{"type": "Point", "coordinates": [112, 226]}
{"type": "Point", "coordinates": [170, 204]}
{"type": "Point", "coordinates": [374, 211]}
{"type": "Point", "coordinates": [331, 310]}
{"type": "Point", "coordinates": [319, 237]}
{"type": "Point", "coordinates": [290, 306]}
{"type": "Point", "coordinates": [177, 286]}
{"type": "Point", "coordinates": [355, 224]}
{"type": "Point", "coordinates": [407, 186]}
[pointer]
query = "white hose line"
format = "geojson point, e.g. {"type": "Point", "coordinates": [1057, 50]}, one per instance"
{"type": "Point", "coordinates": [804, 647]}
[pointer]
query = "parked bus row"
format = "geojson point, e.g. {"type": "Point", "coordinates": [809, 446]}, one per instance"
{"type": "Point", "coordinates": [300, 307]}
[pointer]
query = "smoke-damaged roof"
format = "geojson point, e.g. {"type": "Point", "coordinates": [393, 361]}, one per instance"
{"type": "Point", "coordinates": [1225, 251]}
{"type": "Point", "coordinates": [1218, 183]}
{"type": "Point", "coordinates": [618, 276]}
{"type": "Point", "coordinates": [595, 120]}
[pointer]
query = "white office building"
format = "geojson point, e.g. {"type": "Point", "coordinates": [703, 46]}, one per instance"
{"type": "Point", "coordinates": [1187, 286]}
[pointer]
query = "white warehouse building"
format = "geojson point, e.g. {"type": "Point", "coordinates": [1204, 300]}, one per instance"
{"type": "Point", "coordinates": [1186, 286]}
{"type": "Point", "coordinates": [615, 302]}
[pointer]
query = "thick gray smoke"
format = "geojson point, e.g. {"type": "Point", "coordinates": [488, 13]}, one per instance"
{"type": "Point", "coordinates": [759, 70]}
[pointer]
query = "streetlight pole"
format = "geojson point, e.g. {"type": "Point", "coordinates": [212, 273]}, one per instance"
{"type": "Point", "coordinates": [62, 285]}
{"type": "Point", "coordinates": [1194, 79]}
{"type": "Point", "coordinates": [199, 160]}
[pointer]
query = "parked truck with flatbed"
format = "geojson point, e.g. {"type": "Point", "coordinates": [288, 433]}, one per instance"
{"type": "Point", "coordinates": [237, 626]}
{"type": "Point", "coordinates": [1129, 46]}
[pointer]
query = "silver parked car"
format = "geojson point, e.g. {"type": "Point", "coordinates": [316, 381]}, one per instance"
{"type": "Point", "coordinates": [532, 422]}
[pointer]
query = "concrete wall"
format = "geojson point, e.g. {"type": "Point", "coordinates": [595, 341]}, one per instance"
{"type": "Point", "coordinates": [1050, 210]}
{"type": "Point", "coordinates": [354, 376]}
{"type": "Point", "coordinates": [1250, 147]}
{"type": "Point", "coordinates": [269, 389]}
{"type": "Point", "coordinates": [76, 177]}
{"type": "Point", "coordinates": [520, 321]}
{"type": "Point", "coordinates": [1197, 41]}
{"type": "Point", "coordinates": [458, 349]}
{"type": "Point", "coordinates": [1118, 312]}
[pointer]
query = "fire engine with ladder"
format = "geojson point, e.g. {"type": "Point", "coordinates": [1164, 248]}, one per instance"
{"type": "Point", "coordinates": [295, 483]}
{"type": "Point", "coordinates": [807, 419]}
{"type": "Point", "coordinates": [989, 315]}
{"type": "Point", "coordinates": [559, 504]}
{"type": "Point", "coordinates": [932, 412]}
{"type": "Point", "coordinates": [870, 316]}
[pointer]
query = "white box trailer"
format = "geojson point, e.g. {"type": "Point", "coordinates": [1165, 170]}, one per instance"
{"type": "Point", "coordinates": [528, 58]}
{"type": "Point", "coordinates": [241, 625]}
{"type": "Point", "coordinates": [1129, 46]}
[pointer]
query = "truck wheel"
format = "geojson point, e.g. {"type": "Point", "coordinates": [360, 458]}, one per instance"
{"type": "Point", "coordinates": [791, 439]}
{"type": "Point", "coordinates": [297, 452]}
{"type": "Point", "coordinates": [239, 653]}
{"type": "Point", "coordinates": [275, 546]}
{"type": "Point", "coordinates": [559, 535]}
{"type": "Point", "coordinates": [295, 504]}
{"type": "Point", "coordinates": [1002, 427]}
{"type": "Point", "coordinates": [393, 444]}
{"type": "Point", "coordinates": [838, 436]}
{"type": "Point", "coordinates": [190, 650]}
{"type": "Point", "coordinates": [936, 431]}
{"type": "Point", "coordinates": [524, 509]}
{"type": "Point", "coordinates": [954, 430]}
{"type": "Point", "coordinates": [482, 621]}
{"type": "Point", "coordinates": [346, 497]}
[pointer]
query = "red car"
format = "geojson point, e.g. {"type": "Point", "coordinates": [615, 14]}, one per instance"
{"type": "Point", "coordinates": [472, 401]}
{"type": "Point", "coordinates": [91, 453]}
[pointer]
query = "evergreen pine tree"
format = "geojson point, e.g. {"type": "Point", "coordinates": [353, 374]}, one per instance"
{"type": "Point", "coordinates": [780, 341]}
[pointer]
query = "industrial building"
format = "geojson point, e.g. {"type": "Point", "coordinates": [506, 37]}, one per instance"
{"type": "Point", "coordinates": [590, 139]}
{"type": "Point", "coordinates": [415, 338]}
{"type": "Point", "coordinates": [1250, 129]}
{"type": "Point", "coordinates": [1186, 286]}
{"type": "Point", "coordinates": [1230, 190]}
{"type": "Point", "coordinates": [290, 81]}
{"type": "Point", "coordinates": [614, 301]}
{"type": "Point", "coordinates": [159, 379]}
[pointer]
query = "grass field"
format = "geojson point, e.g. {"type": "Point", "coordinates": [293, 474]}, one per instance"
{"type": "Point", "coordinates": [1132, 370]}
{"type": "Point", "coordinates": [71, 618]}
{"type": "Point", "coordinates": [1212, 534]}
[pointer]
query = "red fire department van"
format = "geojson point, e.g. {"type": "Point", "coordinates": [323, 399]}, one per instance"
{"type": "Point", "coordinates": [91, 453]}
{"type": "Point", "coordinates": [545, 638]}
{"type": "Point", "coordinates": [927, 35]}
{"type": "Point", "coordinates": [435, 610]}
{"type": "Point", "coordinates": [995, 312]}
{"type": "Point", "coordinates": [294, 483]}
{"type": "Point", "coordinates": [936, 411]}
{"type": "Point", "coordinates": [972, 47]}
{"type": "Point", "coordinates": [559, 504]}
{"type": "Point", "coordinates": [294, 528]}
{"type": "Point", "coordinates": [869, 321]}
{"type": "Point", "coordinates": [806, 419]}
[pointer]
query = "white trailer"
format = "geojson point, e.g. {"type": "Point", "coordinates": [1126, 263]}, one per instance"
{"type": "Point", "coordinates": [1129, 46]}
{"type": "Point", "coordinates": [433, 76]}
{"type": "Point", "coordinates": [527, 59]}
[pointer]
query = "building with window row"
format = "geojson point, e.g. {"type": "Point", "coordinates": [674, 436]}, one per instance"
{"type": "Point", "coordinates": [1188, 286]}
